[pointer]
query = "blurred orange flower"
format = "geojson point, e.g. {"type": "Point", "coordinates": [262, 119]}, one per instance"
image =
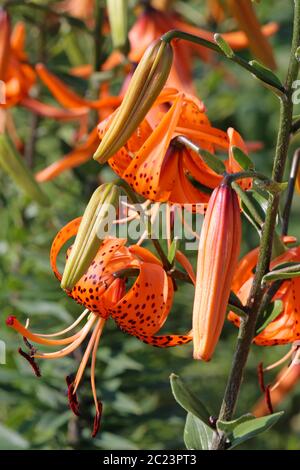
{"type": "Point", "coordinates": [286, 327]}
{"type": "Point", "coordinates": [151, 24]}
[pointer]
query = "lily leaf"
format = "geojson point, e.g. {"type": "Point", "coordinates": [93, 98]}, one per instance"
{"type": "Point", "coordinates": [188, 400]}
{"type": "Point", "coordinates": [270, 79]}
{"type": "Point", "coordinates": [283, 271]}
{"type": "Point", "coordinates": [229, 426]}
{"type": "Point", "coordinates": [223, 45]}
{"type": "Point", "coordinates": [197, 435]}
{"type": "Point", "coordinates": [253, 205]}
{"type": "Point", "coordinates": [237, 310]}
{"type": "Point", "coordinates": [213, 162]}
{"type": "Point", "coordinates": [242, 158]}
{"type": "Point", "coordinates": [247, 427]}
{"type": "Point", "coordinates": [266, 317]}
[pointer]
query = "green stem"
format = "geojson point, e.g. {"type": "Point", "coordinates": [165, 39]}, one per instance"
{"type": "Point", "coordinates": [176, 34]}
{"type": "Point", "coordinates": [247, 327]}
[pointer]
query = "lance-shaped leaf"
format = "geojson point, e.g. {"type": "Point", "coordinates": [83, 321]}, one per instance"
{"type": "Point", "coordinates": [188, 400]}
{"type": "Point", "coordinates": [253, 206]}
{"type": "Point", "coordinates": [223, 45]}
{"type": "Point", "coordinates": [282, 271]}
{"type": "Point", "coordinates": [233, 308]}
{"type": "Point", "coordinates": [268, 315]}
{"type": "Point", "coordinates": [209, 158]}
{"type": "Point", "coordinates": [197, 435]}
{"type": "Point", "coordinates": [242, 158]}
{"type": "Point", "coordinates": [246, 427]}
{"type": "Point", "coordinates": [13, 164]}
{"type": "Point", "coordinates": [88, 239]}
{"type": "Point", "coordinates": [268, 76]}
{"type": "Point", "coordinates": [213, 162]}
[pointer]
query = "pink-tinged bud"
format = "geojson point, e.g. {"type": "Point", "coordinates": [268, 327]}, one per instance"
{"type": "Point", "coordinates": [218, 253]}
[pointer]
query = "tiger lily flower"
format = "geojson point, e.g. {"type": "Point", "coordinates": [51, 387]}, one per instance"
{"type": "Point", "coordinates": [218, 252]}
{"type": "Point", "coordinates": [286, 327]}
{"type": "Point", "coordinates": [19, 78]}
{"type": "Point", "coordinates": [74, 107]}
{"type": "Point", "coordinates": [15, 70]}
{"type": "Point", "coordinates": [153, 145]}
{"type": "Point", "coordinates": [139, 311]}
{"type": "Point", "coordinates": [152, 24]}
{"type": "Point", "coordinates": [244, 13]}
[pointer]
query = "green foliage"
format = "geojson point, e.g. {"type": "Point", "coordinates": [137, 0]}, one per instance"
{"type": "Point", "coordinates": [197, 435]}
{"type": "Point", "coordinates": [246, 427]}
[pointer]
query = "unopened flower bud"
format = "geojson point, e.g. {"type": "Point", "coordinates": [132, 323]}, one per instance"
{"type": "Point", "coordinates": [218, 253]}
{"type": "Point", "coordinates": [88, 241]}
{"type": "Point", "coordinates": [145, 85]}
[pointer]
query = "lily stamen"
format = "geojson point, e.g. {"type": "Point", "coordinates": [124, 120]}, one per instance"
{"type": "Point", "coordinates": [62, 332]}
{"type": "Point", "coordinates": [93, 365]}
{"type": "Point", "coordinates": [16, 325]}
{"type": "Point", "coordinates": [99, 327]}
{"type": "Point", "coordinates": [282, 360]}
{"type": "Point", "coordinates": [294, 362]}
{"type": "Point", "coordinates": [74, 345]}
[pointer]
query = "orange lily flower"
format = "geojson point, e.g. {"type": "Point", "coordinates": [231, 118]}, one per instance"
{"type": "Point", "coordinates": [76, 107]}
{"type": "Point", "coordinates": [216, 10]}
{"type": "Point", "coordinates": [83, 9]}
{"type": "Point", "coordinates": [151, 24]}
{"type": "Point", "coordinates": [218, 253]}
{"type": "Point", "coordinates": [19, 78]}
{"type": "Point", "coordinates": [139, 311]}
{"type": "Point", "coordinates": [244, 13]}
{"type": "Point", "coordinates": [154, 146]}
{"type": "Point", "coordinates": [286, 327]}
{"type": "Point", "coordinates": [15, 71]}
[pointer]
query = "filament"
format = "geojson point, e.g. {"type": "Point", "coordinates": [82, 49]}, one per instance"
{"type": "Point", "coordinates": [65, 351]}
{"type": "Point", "coordinates": [59, 333]}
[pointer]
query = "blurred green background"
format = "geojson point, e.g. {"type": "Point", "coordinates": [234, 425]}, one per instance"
{"type": "Point", "coordinates": [132, 378]}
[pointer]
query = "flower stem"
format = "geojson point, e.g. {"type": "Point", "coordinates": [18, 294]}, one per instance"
{"type": "Point", "coordinates": [176, 34]}
{"type": "Point", "coordinates": [247, 327]}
